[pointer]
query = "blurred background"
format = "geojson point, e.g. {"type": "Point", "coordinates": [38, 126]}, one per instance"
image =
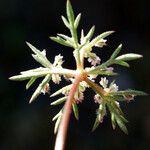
{"type": "Point", "coordinates": [28, 127]}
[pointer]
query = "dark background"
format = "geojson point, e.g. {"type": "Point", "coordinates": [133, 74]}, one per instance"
{"type": "Point", "coordinates": [29, 127]}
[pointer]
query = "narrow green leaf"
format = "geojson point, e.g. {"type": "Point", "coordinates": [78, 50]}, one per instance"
{"type": "Point", "coordinates": [116, 107]}
{"type": "Point", "coordinates": [31, 81]}
{"type": "Point", "coordinates": [77, 21]}
{"type": "Point", "coordinates": [122, 63]}
{"type": "Point", "coordinates": [67, 38]}
{"type": "Point", "coordinates": [101, 72]}
{"type": "Point", "coordinates": [61, 90]}
{"type": "Point", "coordinates": [75, 110]}
{"type": "Point", "coordinates": [59, 101]}
{"type": "Point", "coordinates": [112, 109]}
{"type": "Point", "coordinates": [40, 87]}
{"type": "Point", "coordinates": [70, 13]}
{"type": "Point", "coordinates": [57, 115]}
{"type": "Point", "coordinates": [60, 41]}
{"type": "Point", "coordinates": [122, 125]}
{"type": "Point", "coordinates": [99, 37]}
{"type": "Point", "coordinates": [102, 66]}
{"type": "Point", "coordinates": [128, 57]}
{"type": "Point", "coordinates": [123, 119]}
{"type": "Point", "coordinates": [130, 92]}
{"type": "Point", "coordinates": [96, 124]}
{"type": "Point", "coordinates": [118, 98]}
{"type": "Point", "coordinates": [105, 34]}
{"type": "Point", "coordinates": [65, 21]}
{"type": "Point", "coordinates": [57, 124]}
{"type": "Point", "coordinates": [42, 60]}
{"type": "Point", "coordinates": [90, 33]}
{"type": "Point", "coordinates": [29, 75]}
{"type": "Point", "coordinates": [118, 117]}
{"type": "Point", "coordinates": [34, 49]}
{"type": "Point", "coordinates": [113, 121]}
{"type": "Point", "coordinates": [37, 70]}
{"type": "Point", "coordinates": [40, 56]}
{"type": "Point", "coordinates": [116, 52]}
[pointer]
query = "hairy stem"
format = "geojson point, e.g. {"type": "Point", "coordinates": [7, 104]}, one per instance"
{"type": "Point", "coordinates": [95, 87]}
{"type": "Point", "coordinates": [82, 57]}
{"type": "Point", "coordinates": [62, 131]}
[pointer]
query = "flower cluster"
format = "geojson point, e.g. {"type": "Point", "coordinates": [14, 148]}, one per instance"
{"type": "Point", "coordinates": [57, 64]}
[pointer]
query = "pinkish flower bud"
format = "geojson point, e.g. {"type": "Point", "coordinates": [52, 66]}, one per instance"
{"type": "Point", "coordinates": [46, 89]}
{"type": "Point", "coordinates": [110, 69]}
{"type": "Point", "coordinates": [101, 43]}
{"type": "Point", "coordinates": [128, 98]}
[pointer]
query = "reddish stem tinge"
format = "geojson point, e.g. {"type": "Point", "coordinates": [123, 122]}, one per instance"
{"type": "Point", "coordinates": [62, 131]}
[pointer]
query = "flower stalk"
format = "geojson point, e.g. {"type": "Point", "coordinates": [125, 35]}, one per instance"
{"type": "Point", "coordinates": [62, 131]}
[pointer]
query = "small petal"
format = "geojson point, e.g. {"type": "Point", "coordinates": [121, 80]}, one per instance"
{"type": "Point", "coordinates": [56, 78]}
{"type": "Point", "coordinates": [79, 96]}
{"type": "Point", "coordinates": [101, 43]}
{"type": "Point", "coordinates": [94, 60]}
{"type": "Point", "coordinates": [110, 69]}
{"type": "Point", "coordinates": [45, 89]}
{"type": "Point", "coordinates": [113, 88]}
{"type": "Point", "coordinates": [128, 98]}
{"type": "Point", "coordinates": [58, 61]}
{"type": "Point", "coordinates": [97, 99]}
{"type": "Point", "coordinates": [104, 82]}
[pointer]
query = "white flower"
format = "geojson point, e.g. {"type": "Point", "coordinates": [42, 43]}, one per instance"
{"type": "Point", "coordinates": [101, 43]}
{"type": "Point", "coordinates": [93, 59]}
{"type": "Point", "coordinates": [97, 99]}
{"type": "Point", "coordinates": [45, 89]}
{"type": "Point", "coordinates": [58, 61]}
{"type": "Point", "coordinates": [66, 92]}
{"type": "Point", "coordinates": [57, 64]}
{"type": "Point", "coordinates": [56, 78]}
{"type": "Point", "coordinates": [84, 85]}
{"type": "Point", "coordinates": [104, 82]}
{"type": "Point", "coordinates": [79, 96]}
{"type": "Point", "coordinates": [113, 88]}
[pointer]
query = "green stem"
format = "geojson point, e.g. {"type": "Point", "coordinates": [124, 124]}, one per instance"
{"type": "Point", "coordinates": [34, 73]}
{"type": "Point", "coordinates": [95, 87]}
{"type": "Point", "coordinates": [102, 66]}
{"type": "Point", "coordinates": [77, 58]}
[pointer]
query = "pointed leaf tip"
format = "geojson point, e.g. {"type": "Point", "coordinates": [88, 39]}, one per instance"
{"type": "Point", "coordinates": [105, 34]}
{"type": "Point", "coordinates": [77, 20]}
{"type": "Point", "coordinates": [90, 33]}
{"type": "Point", "coordinates": [69, 11]}
{"type": "Point", "coordinates": [65, 21]}
{"type": "Point", "coordinates": [75, 110]}
{"type": "Point", "coordinates": [116, 52]}
{"type": "Point", "coordinates": [128, 57]}
{"type": "Point", "coordinates": [30, 45]}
